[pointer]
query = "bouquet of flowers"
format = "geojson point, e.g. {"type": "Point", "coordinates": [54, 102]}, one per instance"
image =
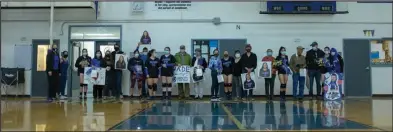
{"type": "Point", "coordinates": [84, 63]}
{"type": "Point", "coordinates": [277, 63]}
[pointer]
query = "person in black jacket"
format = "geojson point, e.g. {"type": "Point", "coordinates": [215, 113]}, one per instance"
{"type": "Point", "coordinates": [314, 60]}
{"type": "Point", "coordinates": [109, 75]}
{"type": "Point", "coordinates": [227, 70]}
{"type": "Point", "coordinates": [282, 66]}
{"type": "Point", "coordinates": [82, 62]}
{"type": "Point", "coordinates": [198, 62]}
{"type": "Point", "coordinates": [53, 71]}
{"type": "Point", "coordinates": [168, 62]}
{"type": "Point", "coordinates": [118, 73]}
{"type": "Point", "coordinates": [237, 79]}
{"type": "Point", "coordinates": [98, 61]}
{"type": "Point", "coordinates": [136, 68]}
{"type": "Point", "coordinates": [249, 64]}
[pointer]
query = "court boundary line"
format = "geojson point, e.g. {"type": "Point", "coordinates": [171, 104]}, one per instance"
{"type": "Point", "coordinates": [132, 116]}
{"type": "Point", "coordinates": [232, 117]}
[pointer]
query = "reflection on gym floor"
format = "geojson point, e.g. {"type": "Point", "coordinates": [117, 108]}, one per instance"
{"type": "Point", "coordinates": [36, 115]}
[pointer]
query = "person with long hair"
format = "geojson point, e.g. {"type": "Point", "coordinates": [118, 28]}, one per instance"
{"type": "Point", "coordinates": [167, 62]}
{"type": "Point", "coordinates": [64, 64]}
{"type": "Point", "coordinates": [82, 62]}
{"type": "Point", "coordinates": [237, 78]}
{"type": "Point", "coordinates": [215, 66]}
{"type": "Point", "coordinates": [152, 72]}
{"type": "Point", "coordinates": [53, 70]}
{"type": "Point", "coordinates": [335, 65]}
{"type": "Point", "coordinates": [145, 39]}
{"type": "Point", "coordinates": [281, 65]}
{"type": "Point", "coordinates": [324, 68]}
{"type": "Point", "coordinates": [136, 68]}
{"type": "Point", "coordinates": [109, 76]}
{"type": "Point", "coordinates": [199, 63]}
{"type": "Point", "coordinates": [227, 65]}
{"type": "Point", "coordinates": [269, 82]}
{"type": "Point", "coordinates": [98, 61]}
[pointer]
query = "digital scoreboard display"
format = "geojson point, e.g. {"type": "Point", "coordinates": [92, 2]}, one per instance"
{"type": "Point", "coordinates": [301, 7]}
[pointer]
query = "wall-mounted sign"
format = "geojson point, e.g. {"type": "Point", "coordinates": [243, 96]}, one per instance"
{"type": "Point", "coordinates": [172, 5]}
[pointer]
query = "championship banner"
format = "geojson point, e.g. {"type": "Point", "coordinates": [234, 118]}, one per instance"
{"type": "Point", "coordinates": [182, 74]}
{"type": "Point", "coordinates": [333, 86]}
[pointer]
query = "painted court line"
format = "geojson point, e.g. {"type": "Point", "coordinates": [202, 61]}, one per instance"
{"type": "Point", "coordinates": [232, 117]}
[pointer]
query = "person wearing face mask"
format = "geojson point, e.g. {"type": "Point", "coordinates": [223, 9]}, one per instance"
{"type": "Point", "coordinates": [324, 68]}
{"type": "Point", "coordinates": [168, 62]}
{"type": "Point", "coordinates": [227, 65]}
{"type": "Point", "coordinates": [269, 82]}
{"type": "Point", "coordinates": [199, 62]}
{"type": "Point", "coordinates": [144, 57]}
{"type": "Point", "coordinates": [249, 63]}
{"type": "Point", "coordinates": [297, 63]}
{"type": "Point", "coordinates": [152, 71]}
{"type": "Point", "coordinates": [335, 64]}
{"type": "Point", "coordinates": [98, 61]}
{"type": "Point", "coordinates": [314, 59]}
{"type": "Point", "coordinates": [118, 73]}
{"type": "Point", "coordinates": [282, 66]}
{"type": "Point", "coordinates": [63, 74]}
{"type": "Point", "coordinates": [53, 67]}
{"type": "Point", "coordinates": [109, 75]}
{"type": "Point", "coordinates": [215, 66]}
{"type": "Point", "coordinates": [136, 68]}
{"type": "Point", "coordinates": [183, 59]}
{"type": "Point", "coordinates": [82, 62]}
{"type": "Point", "coordinates": [237, 78]}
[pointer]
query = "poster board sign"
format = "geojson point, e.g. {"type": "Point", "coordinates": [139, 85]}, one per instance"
{"type": "Point", "coordinates": [121, 62]}
{"type": "Point", "coordinates": [381, 52]}
{"type": "Point", "coordinates": [247, 85]}
{"type": "Point", "coordinates": [182, 74]}
{"type": "Point", "coordinates": [94, 75]}
{"type": "Point", "coordinates": [265, 69]}
{"type": "Point", "coordinates": [333, 86]}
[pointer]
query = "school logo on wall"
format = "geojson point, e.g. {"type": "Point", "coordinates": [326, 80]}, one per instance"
{"type": "Point", "coordinates": [369, 33]}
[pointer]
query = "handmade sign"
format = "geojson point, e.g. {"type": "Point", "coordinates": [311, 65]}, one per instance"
{"type": "Point", "coordinates": [333, 86]}
{"type": "Point", "coordinates": [182, 74]}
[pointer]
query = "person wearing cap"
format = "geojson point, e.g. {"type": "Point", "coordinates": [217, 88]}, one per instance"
{"type": "Point", "coordinates": [249, 63]}
{"type": "Point", "coordinates": [63, 73]}
{"type": "Point", "coordinates": [297, 63]}
{"type": "Point", "coordinates": [118, 73]}
{"type": "Point", "coordinates": [183, 59]}
{"type": "Point", "coordinates": [198, 62]}
{"type": "Point", "coordinates": [269, 82]}
{"type": "Point", "coordinates": [314, 63]}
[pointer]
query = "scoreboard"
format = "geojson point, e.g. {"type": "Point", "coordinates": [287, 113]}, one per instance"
{"type": "Point", "coordinates": [301, 7]}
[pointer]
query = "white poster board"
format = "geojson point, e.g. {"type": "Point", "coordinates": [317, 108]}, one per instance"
{"type": "Point", "coordinates": [121, 62]}
{"type": "Point", "coordinates": [94, 76]}
{"type": "Point", "coordinates": [182, 74]}
{"type": "Point", "coordinates": [264, 69]}
{"type": "Point", "coordinates": [252, 75]}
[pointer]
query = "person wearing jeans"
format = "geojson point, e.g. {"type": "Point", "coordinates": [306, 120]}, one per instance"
{"type": "Point", "coordinates": [183, 59]}
{"type": "Point", "coordinates": [215, 66]}
{"type": "Point", "coordinates": [296, 63]}
{"type": "Point", "coordinates": [269, 82]}
{"type": "Point", "coordinates": [314, 58]}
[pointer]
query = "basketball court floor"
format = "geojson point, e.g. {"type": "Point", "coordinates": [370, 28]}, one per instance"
{"type": "Point", "coordinates": [127, 115]}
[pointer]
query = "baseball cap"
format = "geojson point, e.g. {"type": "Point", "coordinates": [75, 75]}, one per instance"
{"type": "Point", "coordinates": [300, 47]}
{"type": "Point", "coordinates": [198, 50]}
{"type": "Point", "coordinates": [182, 47]}
{"type": "Point", "coordinates": [314, 44]}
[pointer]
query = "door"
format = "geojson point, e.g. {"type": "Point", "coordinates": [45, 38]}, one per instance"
{"type": "Point", "coordinates": [39, 77]}
{"type": "Point", "coordinates": [230, 45]}
{"type": "Point", "coordinates": [103, 46]}
{"type": "Point", "coordinates": [357, 75]}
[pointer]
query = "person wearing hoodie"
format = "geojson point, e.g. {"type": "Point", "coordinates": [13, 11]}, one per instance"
{"type": "Point", "coordinates": [314, 58]}
{"type": "Point", "coordinates": [63, 74]}
{"type": "Point", "coordinates": [98, 62]}
{"type": "Point", "coordinates": [82, 62]}
{"type": "Point", "coordinates": [335, 64]}
{"type": "Point", "coordinates": [53, 67]}
{"type": "Point", "coordinates": [136, 68]}
{"type": "Point", "coordinates": [183, 59]}
{"type": "Point", "coordinates": [118, 73]}
{"type": "Point", "coordinates": [269, 82]}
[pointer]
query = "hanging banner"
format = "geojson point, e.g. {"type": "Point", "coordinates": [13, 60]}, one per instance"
{"type": "Point", "coordinates": [182, 74]}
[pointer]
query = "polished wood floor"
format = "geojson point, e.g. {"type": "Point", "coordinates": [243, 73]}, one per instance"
{"type": "Point", "coordinates": [128, 115]}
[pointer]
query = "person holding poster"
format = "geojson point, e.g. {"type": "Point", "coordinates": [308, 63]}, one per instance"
{"type": "Point", "coordinates": [215, 66]}
{"type": "Point", "coordinates": [265, 70]}
{"type": "Point", "coordinates": [109, 75]}
{"type": "Point", "coordinates": [249, 83]}
{"type": "Point", "coordinates": [136, 68]}
{"type": "Point", "coordinates": [282, 66]}
{"type": "Point", "coordinates": [298, 64]}
{"type": "Point", "coordinates": [144, 57]}
{"type": "Point", "coordinates": [118, 73]}
{"type": "Point", "coordinates": [335, 65]}
{"type": "Point", "coordinates": [200, 64]}
{"type": "Point", "coordinates": [227, 65]}
{"type": "Point", "coordinates": [249, 64]}
{"type": "Point", "coordinates": [152, 72]}
{"type": "Point", "coordinates": [183, 59]}
{"type": "Point", "coordinates": [98, 62]}
{"type": "Point", "coordinates": [269, 82]}
{"type": "Point", "coordinates": [168, 62]}
{"type": "Point", "coordinates": [53, 70]}
{"type": "Point", "coordinates": [325, 61]}
{"type": "Point", "coordinates": [82, 62]}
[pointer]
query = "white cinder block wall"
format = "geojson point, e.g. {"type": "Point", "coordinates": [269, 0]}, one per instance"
{"type": "Point", "coordinates": [261, 30]}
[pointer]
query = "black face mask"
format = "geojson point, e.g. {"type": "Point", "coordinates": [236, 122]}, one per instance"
{"type": "Point", "coordinates": [215, 55]}
{"type": "Point", "coordinates": [248, 50]}
{"type": "Point", "coordinates": [117, 48]}
{"type": "Point", "coordinates": [226, 55]}
{"type": "Point", "coordinates": [65, 56]}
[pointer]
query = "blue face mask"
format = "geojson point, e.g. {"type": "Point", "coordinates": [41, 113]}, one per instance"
{"type": "Point", "coordinates": [269, 53]}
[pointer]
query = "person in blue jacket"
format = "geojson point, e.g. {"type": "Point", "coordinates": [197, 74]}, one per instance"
{"type": "Point", "coordinates": [136, 68]}
{"type": "Point", "coordinates": [63, 74]}
{"type": "Point", "coordinates": [143, 56]}
{"type": "Point", "coordinates": [98, 61]}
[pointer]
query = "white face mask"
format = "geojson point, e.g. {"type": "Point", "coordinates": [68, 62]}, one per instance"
{"type": "Point", "coordinates": [237, 55]}
{"type": "Point", "coordinates": [136, 55]}
{"type": "Point", "coordinates": [84, 54]}
{"type": "Point", "coordinates": [145, 53]}
{"type": "Point", "coordinates": [182, 50]}
{"type": "Point", "coordinates": [327, 52]}
{"type": "Point", "coordinates": [98, 55]}
{"type": "Point", "coordinates": [333, 53]}
{"type": "Point", "coordinates": [314, 48]}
